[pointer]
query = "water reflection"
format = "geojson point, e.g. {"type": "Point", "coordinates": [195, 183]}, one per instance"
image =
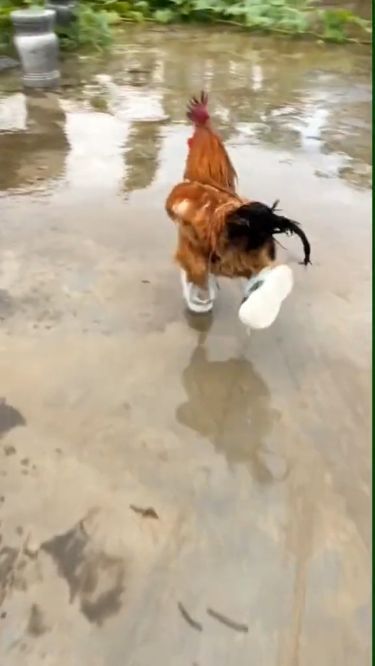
{"type": "Point", "coordinates": [33, 144]}
{"type": "Point", "coordinates": [286, 95]}
{"type": "Point", "coordinates": [128, 103]}
{"type": "Point", "coordinates": [142, 155]}
{"type": "Point", "coordinates": [95, 159]}
{"type": "Point", "coordinates": [115, 134]}
{"type": "Point", "coordinates": [13, 113]}
{"type": "Point", "coordinates": [144, 110]}
{"type": "Point", "coordinates": [229, 403]}
{"type": "Point", "coordinates": [299, 100]}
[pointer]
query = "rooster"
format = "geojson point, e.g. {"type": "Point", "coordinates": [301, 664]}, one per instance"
{"type": "Point", "coordinates": [223, 234]}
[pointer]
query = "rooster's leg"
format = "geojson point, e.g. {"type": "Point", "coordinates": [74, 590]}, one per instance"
{"type": "Point", "coordinates": [197, 285]}
{"type": "Point", "coordinates": [193, 262]}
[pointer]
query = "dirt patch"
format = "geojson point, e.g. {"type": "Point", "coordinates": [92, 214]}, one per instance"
{"type": "Point", "coordinates": [10, 417]}
{"type": "Point", "coordinates": [94, 577]}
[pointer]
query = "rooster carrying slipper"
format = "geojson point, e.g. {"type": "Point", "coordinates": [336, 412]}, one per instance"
{"type": "Point", "coordinates": [223, 234]}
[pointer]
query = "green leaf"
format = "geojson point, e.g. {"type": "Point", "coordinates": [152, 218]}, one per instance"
{"type": "Point", "coordinates": [333, 34]}
{"type": "Point", "coordinates": [164, 15]}
{"type": "Point", "coordinates": [113, 17]}
{"type": "Point", "coordinates": [121, 8]}
{"type": "Point", "coordinates": [237, 10]}
{"type": "Point", "coordinates": [206, 5]}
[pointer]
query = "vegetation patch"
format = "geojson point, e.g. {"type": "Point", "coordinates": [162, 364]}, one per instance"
{"type": "Point", "coordinates": [96, 20]}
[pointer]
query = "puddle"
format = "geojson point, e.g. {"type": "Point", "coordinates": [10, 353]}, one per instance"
{"type": "Point", "coordinates": [229, 403]}
{"type": "Point", "coordinates": [108, 124]}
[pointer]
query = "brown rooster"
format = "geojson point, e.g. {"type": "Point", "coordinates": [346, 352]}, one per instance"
{"type": "Point", "coordinates": [222, 234]}
{"type": "Point", "coordinates": [207, 161]}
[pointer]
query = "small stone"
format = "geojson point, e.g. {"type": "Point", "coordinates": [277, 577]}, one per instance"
{"type": "Point", "coordinates": [275, 464]}
{"type": "Point", "coordinates": [31, 548]}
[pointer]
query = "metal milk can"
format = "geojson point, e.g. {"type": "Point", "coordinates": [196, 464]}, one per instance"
{"type": "Point", "coordinates": [37, 46]}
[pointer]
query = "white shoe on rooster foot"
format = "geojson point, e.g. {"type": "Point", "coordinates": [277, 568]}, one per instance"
{"type": "Point", "coordinates": [264, 295]}
{"type": "Point", "coordinates": [198, 300]}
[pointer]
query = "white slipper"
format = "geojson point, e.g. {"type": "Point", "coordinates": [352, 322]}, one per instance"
{"type": "Point", "coordinates": [198, 300]}
{"type": "Point", "coordinates": [264, 295]}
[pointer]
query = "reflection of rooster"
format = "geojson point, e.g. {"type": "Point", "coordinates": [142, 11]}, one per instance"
{"type": "Point", "coordinates": [207, 384]}
{"type": "Point", "coordinates": [219, 232]}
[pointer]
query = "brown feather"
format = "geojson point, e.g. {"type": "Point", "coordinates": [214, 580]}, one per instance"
{"type": "Point", "coordinates": [208, 161]}
{"type": "Point", "coordinates": [203, 246]}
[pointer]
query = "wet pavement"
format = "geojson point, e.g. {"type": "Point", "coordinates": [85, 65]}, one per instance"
{"type": "Point", "coordinates": [249, 455]}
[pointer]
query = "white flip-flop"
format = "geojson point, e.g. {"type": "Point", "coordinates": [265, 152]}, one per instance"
{"type": "Point", "coordinates": [264, 295]}
{"type": "Point", "coordinates": [199, 301]}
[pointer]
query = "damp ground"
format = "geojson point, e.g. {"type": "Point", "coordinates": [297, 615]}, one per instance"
{"type": "Point", "coordinates": [173, 491]}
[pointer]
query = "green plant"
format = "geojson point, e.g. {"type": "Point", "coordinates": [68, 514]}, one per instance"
{"type": "Point", "coordinates": [93, 27]}
{"type": "Point", "coordinates": [336, 23]}
{"type": "Point", "coordinates": [294, 17]}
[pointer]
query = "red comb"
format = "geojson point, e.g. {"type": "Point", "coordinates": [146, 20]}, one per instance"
{"type": "Point", "coordinates": [197, 110]}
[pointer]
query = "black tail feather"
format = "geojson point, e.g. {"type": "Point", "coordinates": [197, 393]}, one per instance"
{"type": "Point", "coordinates": [295, 228]}
{"type": "Point", "coordinates": [254, 223]}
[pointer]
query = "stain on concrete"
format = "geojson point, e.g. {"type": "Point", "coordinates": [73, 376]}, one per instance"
{"type": "Point", "coordinates": [148, 512]}
{"type": "Point", "coordinates": [6, 305]}
{"type": "Point", "coordinates": [36, 625]}
{"type": "Point", "coordinates": [9, 450]}
{"type": "Point", "coordinates": [8, 557]}
{"type": "Point", "coordinates": [94, 577]}
{"type": "Point", "coordinates": [10, 417]}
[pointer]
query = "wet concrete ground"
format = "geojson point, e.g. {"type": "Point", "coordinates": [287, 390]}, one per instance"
{"type": "Point", "coordinates": [252, 454]}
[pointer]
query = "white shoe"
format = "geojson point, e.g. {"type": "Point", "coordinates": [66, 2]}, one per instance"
{"type": "Point", "coordinates": [265, 293]}
{"type": "Point", "coordinates": [198, 300]}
